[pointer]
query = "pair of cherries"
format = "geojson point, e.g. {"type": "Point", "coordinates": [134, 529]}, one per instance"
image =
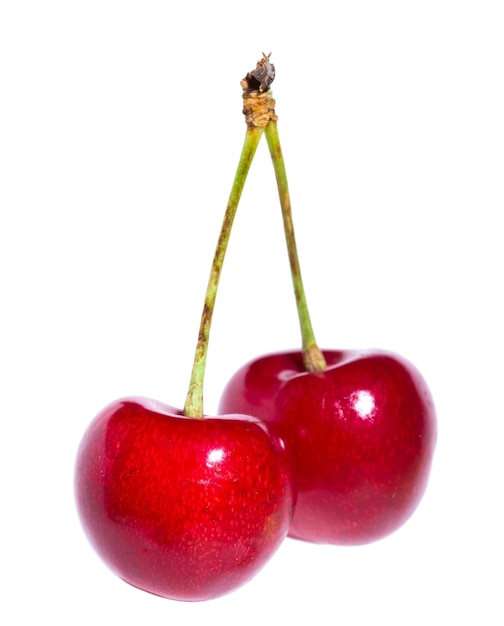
{"type": "Point", "coordinates": [324, 446]}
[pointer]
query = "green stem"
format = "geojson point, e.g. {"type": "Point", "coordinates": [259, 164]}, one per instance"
{"type": "Point", "coordinates": [312, 355]}
{"type": "Point", "coordinates": [194, 401]}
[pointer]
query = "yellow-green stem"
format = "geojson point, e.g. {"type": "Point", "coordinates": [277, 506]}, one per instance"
{"type": "Point", "coordinates": [194, 401]}
{"type": "Point", "coordinates": [312, 355]}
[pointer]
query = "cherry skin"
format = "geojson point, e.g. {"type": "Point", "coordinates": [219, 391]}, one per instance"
{"type": "Point", "coordinates": [361, 432]}
{"type": "Point", "coordinates": [184, 508]}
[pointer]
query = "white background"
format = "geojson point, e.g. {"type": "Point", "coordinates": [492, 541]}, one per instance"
{"type": "Point", "coordinates": [120, 131]}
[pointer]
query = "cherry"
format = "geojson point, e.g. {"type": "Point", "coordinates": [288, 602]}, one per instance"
{"type": "Point", "coordinates": [179, 504]}
{"type": "Point", "coordinates": [360, 426]}
{"type": "Point", "coordinates": [183, 508]}
{"type": "Point", "coordinates": [361, 431]}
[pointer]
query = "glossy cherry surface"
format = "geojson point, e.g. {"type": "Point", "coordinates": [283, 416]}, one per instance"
{"type": "Point", "coordinates": [361, 432]}
{"type": "Point", "coordinates": [184, 508]}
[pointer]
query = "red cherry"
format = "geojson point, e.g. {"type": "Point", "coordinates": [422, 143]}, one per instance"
{"type": "Point", "coordinates": [361, 432]}
{"type": "Point", "coordinates": [184, 508]}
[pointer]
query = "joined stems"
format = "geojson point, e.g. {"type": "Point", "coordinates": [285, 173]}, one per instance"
{"type": "Point", "coordinates": [261, 118]}
{"type": "Point", "coordinates": [194, 401]}
{"type": "Point", "coordinates": [312, 355]}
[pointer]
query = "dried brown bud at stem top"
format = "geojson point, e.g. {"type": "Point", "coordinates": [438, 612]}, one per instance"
{"type": "Point", "coordinates": [261, 78]}
{"type": "Point", "coordinates": [258, 103]}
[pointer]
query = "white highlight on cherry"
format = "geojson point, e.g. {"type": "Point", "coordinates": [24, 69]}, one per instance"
{"type": "Point", "coordinates": [364, 404]}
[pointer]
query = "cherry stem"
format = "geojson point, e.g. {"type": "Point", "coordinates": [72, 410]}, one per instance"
{"type": "Point", "coordinates": [312, 355]}
{"type": "Point", "coordinates": [194, 400]}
